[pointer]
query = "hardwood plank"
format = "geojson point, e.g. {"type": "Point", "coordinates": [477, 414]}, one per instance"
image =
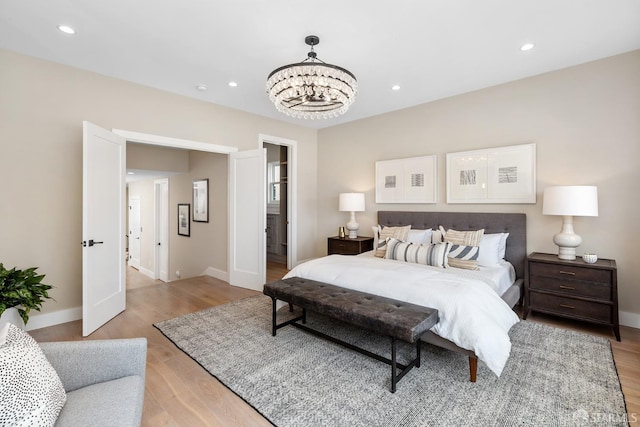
{"type": "Point", "coordinates": [180, 392]}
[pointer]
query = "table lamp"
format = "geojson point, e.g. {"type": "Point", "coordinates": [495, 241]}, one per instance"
{"type": "Point", "coordinates": [569, 201]}
{"type": "Point", "coordinates": [352, 202]}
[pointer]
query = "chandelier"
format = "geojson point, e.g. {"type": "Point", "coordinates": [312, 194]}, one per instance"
{"type": "Point", "coordinates": [312, 89]}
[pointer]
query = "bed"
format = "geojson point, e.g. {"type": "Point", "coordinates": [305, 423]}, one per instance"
{"type": "Point", "coordinates": [478, 327]}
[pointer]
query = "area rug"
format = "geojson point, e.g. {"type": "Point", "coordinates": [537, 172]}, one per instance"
{"type": "Point", "coordinates": [553, 376]}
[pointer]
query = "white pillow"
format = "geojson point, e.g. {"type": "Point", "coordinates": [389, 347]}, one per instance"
{"type": "Point", "coordinates": [420, 237]}
{"type": "Point", "coordinates": [492, 249]}
{"type": "Point", "coordinates": [30, 390]}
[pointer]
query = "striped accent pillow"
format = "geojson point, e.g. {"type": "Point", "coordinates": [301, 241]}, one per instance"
{"type": "Point", "coordinates": [434, 255]}
{"type": "Point", "coordinates": [399, 233]}
{"type": "Point", "coordinates": [466, 238]}
{"type": "Point", "coordinates": [466, 257]}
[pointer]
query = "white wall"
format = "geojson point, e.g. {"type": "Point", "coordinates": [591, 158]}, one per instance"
{"type": "Point", "coordinates": [42, 106]}
{"type": "Point", "coordinates": [585, 121]}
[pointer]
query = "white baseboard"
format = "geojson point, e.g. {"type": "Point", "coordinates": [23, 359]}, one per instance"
{"type": "Point", "coordinates": [147, 272]}
{"type": "Point", "coordinates": [43, 320]}
{"type": "Point", "coordinates": [217, 273]}
{"type": "Point", "coordinates": [629, 319]}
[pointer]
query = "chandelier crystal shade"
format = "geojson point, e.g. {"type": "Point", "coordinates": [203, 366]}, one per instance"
{"type": "Point", "coordinates": [312, 89]}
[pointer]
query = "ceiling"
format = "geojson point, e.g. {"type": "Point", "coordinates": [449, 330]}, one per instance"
{"type": "Point", "coordinates": [431, 48]}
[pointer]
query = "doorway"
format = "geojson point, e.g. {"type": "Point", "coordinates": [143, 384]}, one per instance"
{"type": "Point", "coordinates": [281, 220]}
{"type": "Point", "coordinates": [276, 203]}
{"type": "Point", "coordinates": [291, 205]}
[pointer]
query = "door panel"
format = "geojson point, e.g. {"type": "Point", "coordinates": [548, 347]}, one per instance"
{"type": "Point", "coordinates": [247, 219]}
{"type": "Point", "coordinates": [103, 227]}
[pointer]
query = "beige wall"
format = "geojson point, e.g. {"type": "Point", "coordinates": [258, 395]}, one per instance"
{"type": "Point", "coordinates": [585, 121]}
{"type": "Point", "coordinates": [207, 245]}
{"type": "Point", "coordinates": [42, 106]}
{"type": "Point", "coordinates": [155, 158]}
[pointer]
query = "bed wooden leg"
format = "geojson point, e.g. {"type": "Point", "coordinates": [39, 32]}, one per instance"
{"type": "Point", "coordinates": [473, 368]}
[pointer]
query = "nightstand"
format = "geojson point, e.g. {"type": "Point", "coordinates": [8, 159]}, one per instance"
{"type": "Point", "coordinates": [347, 246]}
{"type": "Point", "coordinates": [572, 289]}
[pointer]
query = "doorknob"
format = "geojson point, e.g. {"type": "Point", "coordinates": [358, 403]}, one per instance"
{"type": "Point", "coordinates": [92, 242]}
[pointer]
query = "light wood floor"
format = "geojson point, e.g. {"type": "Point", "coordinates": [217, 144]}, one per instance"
{"type": "Point", "coordinates": [181, 393]}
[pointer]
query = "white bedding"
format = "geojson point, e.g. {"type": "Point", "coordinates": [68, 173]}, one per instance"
{"type": "Point", "coordinates": [471, 313]}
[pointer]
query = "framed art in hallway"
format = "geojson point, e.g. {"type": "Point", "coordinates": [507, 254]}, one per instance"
{"type": "Point", "coordinates": [494, 175]}
{"type": "Point", "coordinates": [184, 214]}
{"type": "Point", "coordinates": [201, 200]}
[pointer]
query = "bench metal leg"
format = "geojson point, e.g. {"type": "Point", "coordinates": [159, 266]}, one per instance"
{"type": "Point", "coordinates": [394, 377]}
{"type": "Point", "coordinates": [274, 324]}
{"type": "Point", "coordinates": [403, 369]}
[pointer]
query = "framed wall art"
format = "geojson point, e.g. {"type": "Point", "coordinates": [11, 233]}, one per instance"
{"type": "Point", "coordinates": [184, 216]}
{"type": "Point", "coordinates": [494, 175]}
{"type": "Point", "coordinates": [410, 180]}
{"type": "Point", "coordinates": [201, 200]}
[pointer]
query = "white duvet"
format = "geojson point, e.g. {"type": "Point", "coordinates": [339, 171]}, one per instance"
{"type": "Point", "coordinates": [471, 314]}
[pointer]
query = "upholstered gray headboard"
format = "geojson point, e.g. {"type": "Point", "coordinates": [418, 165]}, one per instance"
{"type": "Point", "coordinates": [513, 223]}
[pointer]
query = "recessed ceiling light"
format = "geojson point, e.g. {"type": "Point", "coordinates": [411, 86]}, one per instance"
{"type": "Point", "coordinates": [395, 87]}
{"type": "Point", "coordinates": [66, 29]}
{"type": "Point", "coordinates": [202, 88]}
{"type": "Point", "coordinates": [526, 46]}
{"type": "Point", "coordinates": [131, 173]}
{"type": "Point", "coordinates": [232, 84]}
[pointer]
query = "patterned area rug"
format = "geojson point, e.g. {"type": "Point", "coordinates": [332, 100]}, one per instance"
{"type": "Point", "coordinates": [553, 377]}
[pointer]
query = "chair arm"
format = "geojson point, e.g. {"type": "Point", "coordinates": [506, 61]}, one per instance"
{"type": "Point", "coordinates": [83, 363]}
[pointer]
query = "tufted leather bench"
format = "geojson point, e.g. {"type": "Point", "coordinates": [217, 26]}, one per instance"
{"type": "Point", "coordinates": [396, 319]}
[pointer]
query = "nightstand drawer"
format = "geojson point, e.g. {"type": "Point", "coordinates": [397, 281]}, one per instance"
{"type": "Point", "coordinates": [568, 272]}
{"type": "Point", "coordinates": [570, 307]}
{"type": "Point", "coordinates": [571, 287]}
{"type": "Point", "coordinates": [344, 247]}
{"type": "Point", "coordinates": [347, 246]}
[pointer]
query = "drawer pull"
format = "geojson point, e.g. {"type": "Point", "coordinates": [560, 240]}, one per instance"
{"type": "Point", "coordinates": [567, 306]}
{"type": "Point", "coordinates": [570, 288]}
{"type": "Point", "coordinates": [568, 273]}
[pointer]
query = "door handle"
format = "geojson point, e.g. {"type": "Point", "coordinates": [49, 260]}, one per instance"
{"type": "Point", "coordinates": [93, 242]}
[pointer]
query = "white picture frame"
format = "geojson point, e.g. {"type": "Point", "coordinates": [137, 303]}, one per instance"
{"type": "Point", "coordinates": [409, 180]}
{"type": "Point", "coordinates": [494, 175]}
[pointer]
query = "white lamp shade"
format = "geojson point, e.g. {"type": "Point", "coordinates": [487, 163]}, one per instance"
{"type": "Point", "coordinates": [351, 202]}
{"type": "Point", "coordinates": [570, 200]}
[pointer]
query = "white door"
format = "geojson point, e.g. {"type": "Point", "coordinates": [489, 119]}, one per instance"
{"type": "Point", "coordinates": [247, 218]}
{"type": "Point", "coordinates": [134, 232]}
{"type": "Point", "coordinates": [103, 226]}
{"type": "Point", "coordinates": [162, 229]}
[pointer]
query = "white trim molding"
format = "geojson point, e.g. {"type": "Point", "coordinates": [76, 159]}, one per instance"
{"type": "Point", "coordinates": [292, 193]}
{"type": "Point", "coordinates": [629, 319]}
{"type": "Point", "coordinates": [217, 273]}
{"type": "Point", "coordinates": [165, 141]}
{"type": "Point", "coordinates": [43, 320]}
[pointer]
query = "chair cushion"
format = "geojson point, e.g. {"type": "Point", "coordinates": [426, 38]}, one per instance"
{"type": "Point", "coordinates": [111, 403]}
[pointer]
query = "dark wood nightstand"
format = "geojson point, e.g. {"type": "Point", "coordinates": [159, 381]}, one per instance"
{"type": "Point", "coordinates": [572, 289]}
{"type": "Point", "coordinates": [347, 246]}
